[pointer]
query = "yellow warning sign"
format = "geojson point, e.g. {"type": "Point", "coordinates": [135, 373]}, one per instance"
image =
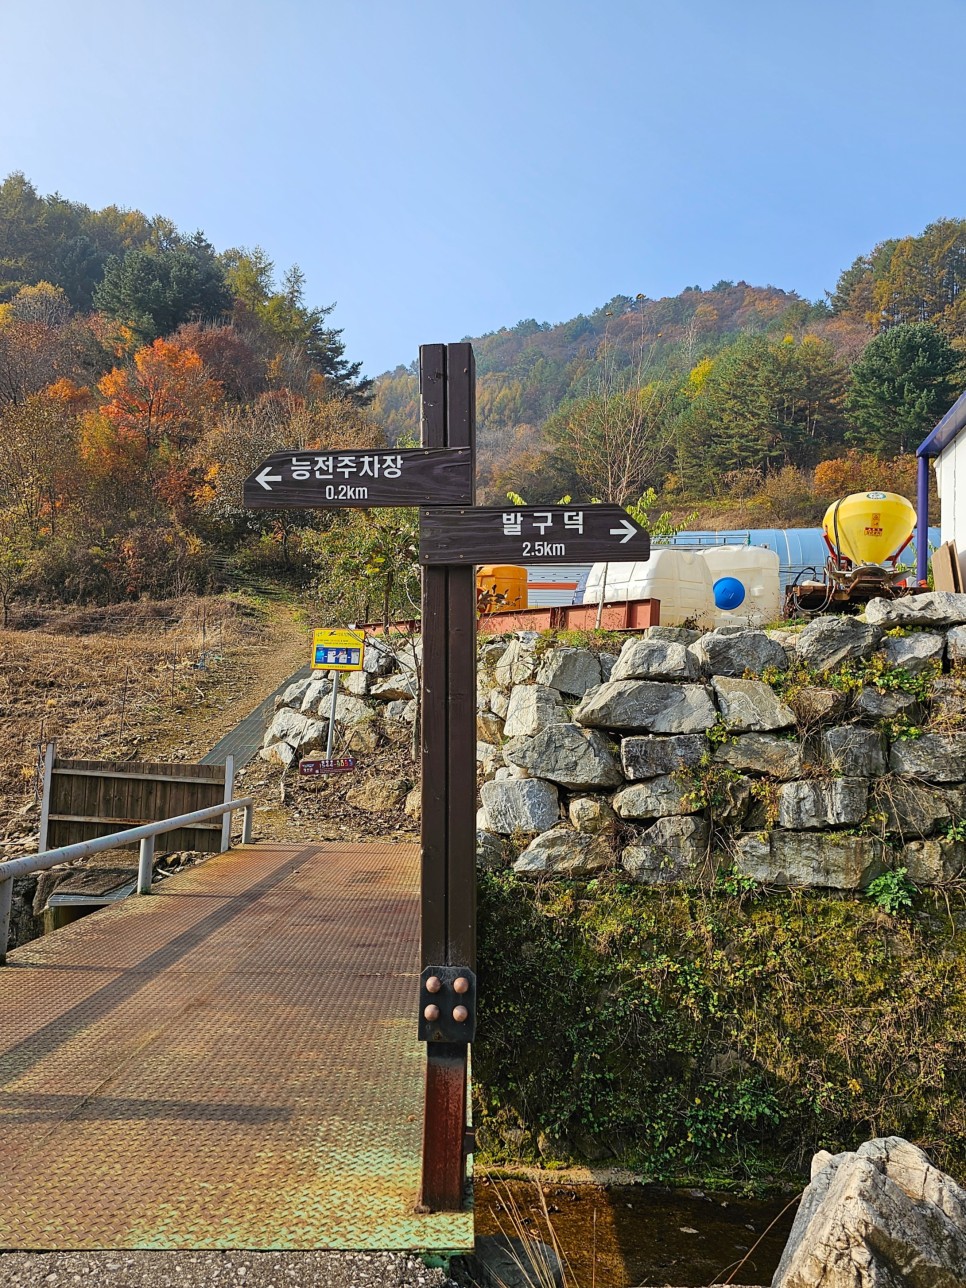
{"type": "Point", "coordinates": [337, 650]}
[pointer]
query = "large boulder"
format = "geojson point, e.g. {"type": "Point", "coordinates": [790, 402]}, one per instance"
{"type": "Point", "coordinates": [676, 634]}
{"type": "Point", "coordinates": [567, 853]}
{"type": "Point", "coordinates": [854, 751]}
{"type": "Point", "coordinates": [531, 708]}
{"type": "Point", "coordinates": [882, 1217]}
{"type": "Point", "coordinates": [956, 644]}
{"type": "Point", "coordinates": [286, 726]}
{"type": "Point", "coordinates": [489, 758]}
{"type": "Point", "coordinates": [947, 701]}
{"type": "Point", "coordinates": [936, 757]}
{"type": "Point", "coordinates": [519, 805]}
{"type": "Point", "coordinates": [827, 642]}
{"type": "Point", "coordinates": [517, 664]}
{"type": "Point", "coordinates": [400, 686]}
{"type": "Point", "coordinates": [293, 695]}
{"type": "Point", "coordinates": [813, 705]}
{"type": "Point", "coordinates": [489, 727]}
{"type": "Point", "coordinates": [751, 705]}
{"type": "Point", "coordinates": [876, 704]}
{"type": "Point", "coordinates": [569, 670]}
{"type": "Point", "coordinates": [913, 809]}
{"type": "Point", "coordinates": [291, 735]}
{"type": "Point", "coordinates": [822, 802]}
{"type": "Point", "coordinates": [648, 706]}
{"type": "Point", "coordinates": [819, 859]}
{"type": "Point", "coordinates": [648, 756]}
{"type": "Point", "coordinates": [279, 753]}
{"type": "Point", "coordinates": [932, 861]}
{"type": "Point", "coordinates": [655, 798]}
{"type": "Point", "coordinates": [732, 652]}
{"type": "Point", "coordinates": [356, 682]}
{"type": "Point", "coordinates": [935, 608]}
{"type": "Point", "coordinates": [380, 655]}
{"type": "Point", "coordinates": [916, 653]}
{"type": "Point", "coordinates": [592, 814]}
{"type": "Point", "coordinates": [348, 710]}
{"type": "Point", "coordinates": [491, 851]}
{"type": "Point", "coordinates": [763, 753]}
{"type": "Point", "coordinates": [380, 795]}
{"type": "Point", "coordinates": [313, 694]}
{"type": "Point", "coordinates": [655, 659]}
{"type": "Point", "coordinates": [568, 755]}
{"type": "Point", "coordinates": [671, 850]}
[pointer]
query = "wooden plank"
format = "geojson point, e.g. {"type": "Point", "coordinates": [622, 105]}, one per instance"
{"type": "Point", "coordinates": [461, 692]}
{"type": "Point", "coordinates": [945, 568]}
{"type": "Point", "coordinates": [106, 773]}
{"type": "Point", "coordinates": [127, 822]}
{"type": "Point", "coordinates": [50, 752]}
{"type": "Point", "coordinates": [148, 768]}
{"type": "Point", "coordinates": [435, 764]}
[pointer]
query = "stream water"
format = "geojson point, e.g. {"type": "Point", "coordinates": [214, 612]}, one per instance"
{"type": "Point", "coordinates": [620, 1236]}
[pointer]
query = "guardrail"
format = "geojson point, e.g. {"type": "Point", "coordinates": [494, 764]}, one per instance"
{"type": "Point", "coordinates": [145, 834]}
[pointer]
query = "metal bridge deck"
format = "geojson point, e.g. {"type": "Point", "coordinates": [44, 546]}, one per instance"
{"type": "Point", "coordinates": [230, 1063]}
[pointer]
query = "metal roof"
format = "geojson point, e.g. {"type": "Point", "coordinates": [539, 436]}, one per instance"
{"type": "Point", "coordinates": [947, 429]}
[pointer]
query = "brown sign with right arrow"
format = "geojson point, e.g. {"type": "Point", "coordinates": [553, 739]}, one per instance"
{"type": "Point", "coordinates": [530, 534]}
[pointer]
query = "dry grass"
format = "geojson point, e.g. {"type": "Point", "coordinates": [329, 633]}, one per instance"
{"type": "Point", "coordinates": [151, 680]}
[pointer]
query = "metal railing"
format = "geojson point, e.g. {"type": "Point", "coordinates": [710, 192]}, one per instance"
{"type": "Point", "coordinates": [145, 834]}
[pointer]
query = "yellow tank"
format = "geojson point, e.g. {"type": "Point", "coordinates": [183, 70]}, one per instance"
{"type": "Point", "coordinates": [501, 588]}
{"type": "Point", "coordinates": [869, 527]}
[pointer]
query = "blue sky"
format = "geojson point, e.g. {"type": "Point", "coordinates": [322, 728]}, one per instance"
{"type": "Point", "coordinates": [444, 170]}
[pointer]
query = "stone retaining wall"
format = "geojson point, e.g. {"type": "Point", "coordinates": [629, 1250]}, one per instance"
{"type": "Point", "coordinates": [818, 757]}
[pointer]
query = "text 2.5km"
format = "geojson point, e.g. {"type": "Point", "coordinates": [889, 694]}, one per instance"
{"type": "Point", "coordinates": [543, 549]}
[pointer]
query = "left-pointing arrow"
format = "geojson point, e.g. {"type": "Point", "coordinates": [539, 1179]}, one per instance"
{"type": "Point", "coordinates": [625, 531]}
{"type": "Point", "coordinates": [267, 478]}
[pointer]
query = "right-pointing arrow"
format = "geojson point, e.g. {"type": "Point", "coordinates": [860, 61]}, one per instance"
{"type": "Point", "coordinates": [625, 531]}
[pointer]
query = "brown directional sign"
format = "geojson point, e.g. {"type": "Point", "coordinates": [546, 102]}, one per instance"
{"type": "Point", "coordinates": [531, 534]}
{"type": "Point", "coordinates": [322, 480]}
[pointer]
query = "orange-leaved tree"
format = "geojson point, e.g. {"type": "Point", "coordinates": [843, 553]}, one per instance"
{"type": "Point", "coordinates": [166, 397]}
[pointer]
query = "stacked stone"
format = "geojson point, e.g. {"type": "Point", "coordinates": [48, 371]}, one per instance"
{"type": "Point", "coordinates": [591, 761]}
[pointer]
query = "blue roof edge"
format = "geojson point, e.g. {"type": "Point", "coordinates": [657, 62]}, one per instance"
{"type": "Point", "coordinates": [947, 429]}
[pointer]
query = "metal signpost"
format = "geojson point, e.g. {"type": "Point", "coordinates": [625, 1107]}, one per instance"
{"type": "Point", "coordinates": [336, 651]}
{"type": "Point", "coordinates": [454, 537]}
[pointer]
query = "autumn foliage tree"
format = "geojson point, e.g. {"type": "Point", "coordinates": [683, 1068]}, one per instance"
{"type": "Point", "coordinates": [166, 395]}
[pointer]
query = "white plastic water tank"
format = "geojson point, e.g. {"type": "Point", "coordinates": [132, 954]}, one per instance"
{"type": "Point", "coordinates": [745, 584]}
{"type": "Point", "coordinates": [680, 579]}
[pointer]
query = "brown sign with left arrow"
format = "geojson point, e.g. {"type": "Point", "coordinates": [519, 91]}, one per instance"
{"type": "Point", "coordinates": [323, 480]}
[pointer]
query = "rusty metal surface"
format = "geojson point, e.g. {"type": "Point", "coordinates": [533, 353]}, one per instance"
{"type": "Point", "coordinates": [231, 1062]}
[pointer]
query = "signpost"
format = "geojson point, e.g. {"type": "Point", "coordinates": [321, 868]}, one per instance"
{"type": "Point", "coordinates": [454, 536]}
{"type": "Point", "coordinates": [324, 480]}
{"type": "Point", "coordinates": [337, 651]}
{"type": "Point", "coordinates": [545, 534]}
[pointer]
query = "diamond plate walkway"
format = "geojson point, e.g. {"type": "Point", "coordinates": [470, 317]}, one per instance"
{"type": "Point", "coordinates": [230, 1063]}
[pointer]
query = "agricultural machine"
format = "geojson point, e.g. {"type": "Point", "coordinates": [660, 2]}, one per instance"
{"type": "Point", "coordinates": [865, 534]}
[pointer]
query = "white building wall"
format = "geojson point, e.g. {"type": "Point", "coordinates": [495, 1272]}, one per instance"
{"type": "Point", "coordinates": [950, 468]}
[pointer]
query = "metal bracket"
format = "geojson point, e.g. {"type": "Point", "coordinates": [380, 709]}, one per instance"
{"type": "Point", "coordinates": [447, 1004]}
